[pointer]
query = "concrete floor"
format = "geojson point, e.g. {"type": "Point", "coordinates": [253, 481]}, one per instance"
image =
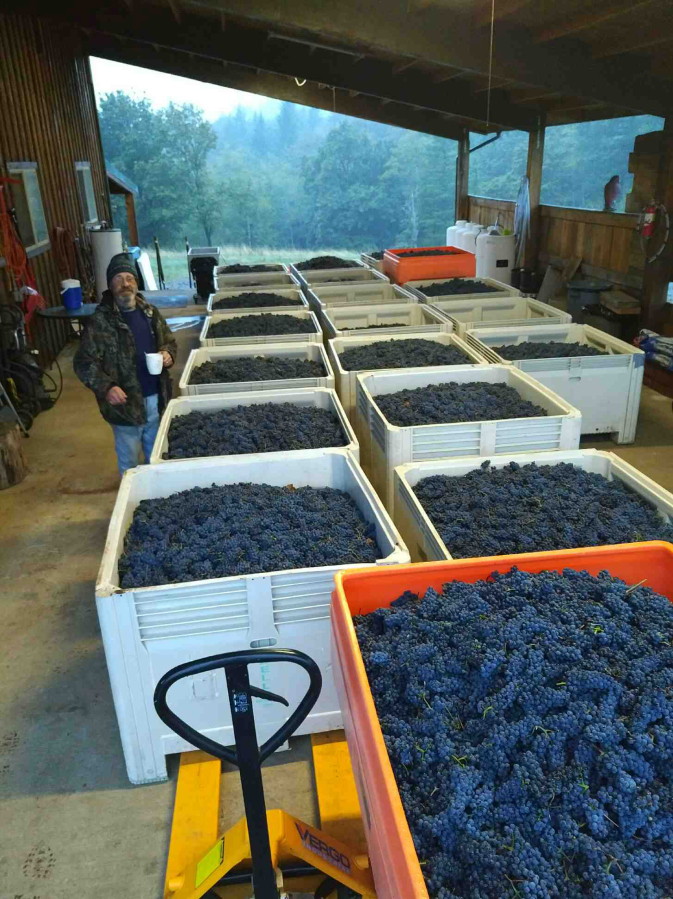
{"type": "Point", "coordinates": [71, 823]}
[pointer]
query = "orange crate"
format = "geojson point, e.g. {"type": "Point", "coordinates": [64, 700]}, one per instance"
{"type": "Point", "coordinates": [401, 269]}
{"type": "Point", "coordinates": [397, 873]}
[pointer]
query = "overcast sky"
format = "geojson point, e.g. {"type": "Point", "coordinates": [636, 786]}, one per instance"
{"type": "Point", "coordinates": [161, 89]}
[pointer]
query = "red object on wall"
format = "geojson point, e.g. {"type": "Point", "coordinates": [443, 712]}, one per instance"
{"type": "Point", "coordinates": [648, 221]}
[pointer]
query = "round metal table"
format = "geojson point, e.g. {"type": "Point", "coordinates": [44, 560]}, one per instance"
{"type": "Point", "coordinates": [60, 313]}
{"type": "Point", "coordinates": [86, 310]}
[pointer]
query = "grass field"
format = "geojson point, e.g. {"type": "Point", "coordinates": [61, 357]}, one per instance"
{"type": "Point", "coordinates": [174, 262]}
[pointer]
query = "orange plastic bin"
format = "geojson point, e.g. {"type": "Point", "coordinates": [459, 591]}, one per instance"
{"type": "Point", "coordinates": [397, 873]}
{"type": "Point", "coordinates": [401, 269]}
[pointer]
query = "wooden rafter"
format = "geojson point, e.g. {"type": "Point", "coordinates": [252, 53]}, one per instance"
{"type": "Point", "coordinates": [498, 84]}
{"type": "Point", "coordinates": [503, 8]}
{"type": "Point", "coordinates": [443, 77]}
{"type": "Point", "coordinates": [269, 85]}
{"type": "Point", "coordinates": [403, 66]}
{"type": "Point", "coordinates": [657, 35]}
{"type": "Point", "coordinates": [436, 37]}
{"type": "Point", "coordinates": [175, 9]}
{"type": "Point", "coordinates": [584, 21]}
{"type": "Point", "coordinates": [530, 94]}
{"type": "Point", "coordinates": [249, 47]}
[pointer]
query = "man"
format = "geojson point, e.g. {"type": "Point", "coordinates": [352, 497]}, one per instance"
{"type": "Point", "coordinates": [111, 362]}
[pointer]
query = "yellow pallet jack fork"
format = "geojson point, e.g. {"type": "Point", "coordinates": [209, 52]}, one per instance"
{"type": "Point", "coordinates": [269, 849]}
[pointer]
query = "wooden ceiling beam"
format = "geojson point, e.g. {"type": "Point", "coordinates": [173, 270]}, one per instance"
{"type": "Point", "coordinates": [443, 77]}
{"type": "Point", "coordinates": [403, 66]}
{"type": "Point", "coordinates": [438, 37]}
{"type": "Point", "coordinates": [582, 22]}
{"type": "Point", "coordinates": [496, 86]}
{"type": "Point", "coordinates": [268, 85]}
{"type": "Point", "coordinates": [249, 47]}
{"type": "Point", "coordinates": [444, 38]}
{"type": "Point", "coordinates": [503, 8]}
{"type": "Point", "coordinates": [529, 94]}
{"type": "Point", "coordinates": [175, 9]}
{"type": "Point", "coordinates": [651, 39]}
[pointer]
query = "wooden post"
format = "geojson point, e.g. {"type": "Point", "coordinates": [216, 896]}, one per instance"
{"type": "Point", "coordinates": [12, 460]}
{"type": "Point", "coordinates": [131, 219]}
{"type": "Point", "coordinates": [534, 173]}
{"type": "Point", "coordinates": [657, 274]}
{"type": "Point", "coordinates": [463, 176]}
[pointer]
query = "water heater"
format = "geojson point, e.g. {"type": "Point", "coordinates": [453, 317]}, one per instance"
{"type": "Point", "coordinates": [105, 243]}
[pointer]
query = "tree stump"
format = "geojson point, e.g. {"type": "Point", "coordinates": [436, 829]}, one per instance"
{"type": "Point", "coordinates": [12, 461]}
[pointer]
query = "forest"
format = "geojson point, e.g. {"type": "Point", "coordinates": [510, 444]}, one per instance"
{"type": "Point", "coordinates": [305, 179]}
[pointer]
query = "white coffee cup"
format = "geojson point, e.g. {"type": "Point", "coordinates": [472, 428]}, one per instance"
{"type": "Point", "coordinates": [155, 363]}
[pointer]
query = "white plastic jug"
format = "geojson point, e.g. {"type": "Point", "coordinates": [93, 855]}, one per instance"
{"type": "Point", "coordinates": [451, 233]}
{"type": "Point", "coordinates": [461, 233]}
{"type": "Point", "coordinates": [470, 238]}
{"type": "Point", "coordinates": [495, 255]}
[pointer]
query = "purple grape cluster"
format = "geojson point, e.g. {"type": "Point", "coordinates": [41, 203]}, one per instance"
{"type": "Point", "coordinates": [260, 428]}
{"type": "Point", "coordinates": [211, 532]}
{"type": "Point", "coordinates": [251, 300]}
{"type": "Point", "coordinates": [238, 269]}
{"type": "Point", "coordinates": [531, 508]}
{"type": "Point", "coordinates": [454, 402]}
{"type": "Point", "coordinates": [370, 327]}
{"type": "Point", "coordinates": [413, 353]}
{"type": "Point", "coordinates": [318, 262]}
{"type": "Point", "coordinates": [410, 254]}
{"type": "Point", "coordinates": [456, 287]}
{"type": "Point", "coordinates": [261, 324]}
{"type": "Point", "coordinates": [528, 719]}
{"type": "Point", "coordinates": [255, 368]}
{"type": "Point", "coordinates": [551, 349]}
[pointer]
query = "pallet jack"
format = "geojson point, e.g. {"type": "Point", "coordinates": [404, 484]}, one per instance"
{"type": "Point", "coordinates": [268, 850]}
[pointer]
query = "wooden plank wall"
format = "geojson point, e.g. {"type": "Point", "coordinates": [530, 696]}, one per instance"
{"type": "Point", "coordinates": [606, 242]}
{"type": "Point", "coordinates": [486, 210]}
{"type": "Point", "coordinates": [49, 117]}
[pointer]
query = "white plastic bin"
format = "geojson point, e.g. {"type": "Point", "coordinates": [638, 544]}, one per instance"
{"type": "Point", "coordinates": [146, 631]}
{"type": "Point", "coordinates": [359, 294]}
{"type": "Point", "coordinates": [291, 293]}
{"type": "Point", "coordinates": [385, 446]}
{"type": "Point", "coordinates": [606, 389]}
{"type": "Point", "coordinates": [404, 318]}
{"type": "Point", "coordinates": [504, 290]}
{"type": "Point", "coordinates": [346, 381]}
{"type": "Point", "coordinates": [359, 273]}
{"type": "Point", "coordinates": [370, 262]}
{"type": "Point", "coordinates": [499, 312]}
{"type": "Point", "coordinates": [313, 351]}
{"type": "Point", "coordinates": [318, 398]}
{"type": "Point", "coordinates": [421, 536]}
{"type": "Point", "coordinates": [257, 280]}
{"type": "Point", "coordinates": [299, 337]}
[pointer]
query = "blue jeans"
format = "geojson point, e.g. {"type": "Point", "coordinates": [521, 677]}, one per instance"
{"type": "Point", "coordinates": [130, 439]}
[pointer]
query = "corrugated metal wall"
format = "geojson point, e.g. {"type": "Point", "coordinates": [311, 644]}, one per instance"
{"type": "Point", "coordinates": [48, 115]}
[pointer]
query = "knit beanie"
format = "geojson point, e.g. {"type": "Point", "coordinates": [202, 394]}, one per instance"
{"type": "Point", "coordinates": [119, 263]}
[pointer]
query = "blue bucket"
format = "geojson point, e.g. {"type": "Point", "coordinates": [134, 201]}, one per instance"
{"type": "Point", "coordinates": [71, 294]}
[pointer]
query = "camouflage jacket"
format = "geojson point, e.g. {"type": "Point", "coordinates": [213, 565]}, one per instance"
{"type": "Point", "coordinates": [106, 358]}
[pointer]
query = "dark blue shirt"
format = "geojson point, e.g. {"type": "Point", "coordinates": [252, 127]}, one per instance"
{"type": "Point", "coordinates": [141, 328]}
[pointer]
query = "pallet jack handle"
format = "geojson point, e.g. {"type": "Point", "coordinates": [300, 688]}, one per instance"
{"type": "Point", "coordinates": [248, 756]}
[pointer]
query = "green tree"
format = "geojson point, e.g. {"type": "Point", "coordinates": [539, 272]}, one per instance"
{"type": "Point", "coordinates": [165, 153]}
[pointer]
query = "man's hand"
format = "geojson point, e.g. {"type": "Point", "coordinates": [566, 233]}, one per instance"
{"type": "Point", "coordinates": [168, 359]}
{"type": "Point", "coordinates": [115, 396]}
